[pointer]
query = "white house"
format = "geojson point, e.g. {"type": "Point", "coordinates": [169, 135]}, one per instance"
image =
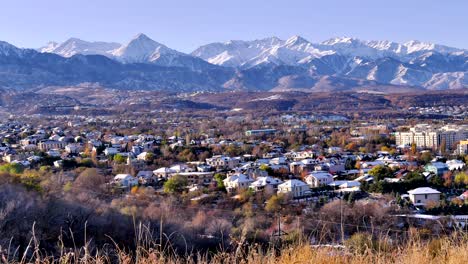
{"type": "Point", "coordinates": [181, 168]}
{"type": "Point", "coordinates": [318, 178]}
{"type": "Point", "coordinates": [346, 185]}
{"type": "Point", "coordinates": [126, 180]}
{"type": "Point", "coordinates": [163, 172]}
{"type": "Point", "coordinates": [145, 177]}
{"type": "Point", "coordinates": [237, 182]}
{"type": "Point", "coordinates": [268, 184]}
{"type": "Point", "coordinates": [223, 162]}
{"type": "Point", "coordinates": [142, 156]}
{"type": "Point", "coordinates": [423, 195]}
{"type": "Point", "coordinates": [53, 153]}
{"type": "Point", "coordinates": [455, 164]}
{"type": "Point", "coordinates": [295, 188]}
{"type": "Point", "coordinates": [110, 151]}
{"type": "Point", "coordinates": [73, 148]}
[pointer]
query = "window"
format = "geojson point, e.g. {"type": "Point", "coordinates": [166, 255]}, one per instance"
{"type": "Point", "coordinates": [425, 196]}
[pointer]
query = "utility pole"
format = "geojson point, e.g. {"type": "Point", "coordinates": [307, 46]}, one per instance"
{"type": "Point", "coordinates": [279, 232]}
{"type": "Point", "coordinates": [341, 219]}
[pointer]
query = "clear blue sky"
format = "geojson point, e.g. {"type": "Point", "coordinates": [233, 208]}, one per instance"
{"type": "Point", "coordinates": [187, 24]}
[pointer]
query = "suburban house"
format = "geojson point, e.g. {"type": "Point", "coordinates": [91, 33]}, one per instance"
{"type": "Point", "coordinates": [267, 184]}
{"type": "Point", "coordinates": [145, 177]}
{"type": "Point", "coordinates": [53, 153]}
{"type": "Point", "coordinates": [143, 156]}
{"type": "Point", "coordinates": [163, 172]}
{"type": "Point", "coordinates": [51, 144]}
{"type": "Point", "coordinates": [304, 165]}
{"type": "Point", "coordinates": [73, 148]}
{"type": "Point", "coordinates": [198, 178]}
{"type": "Point", "coordinates": [346, 186]}
{"type": "Point", "coordinates": [438, 168]}
{"type": "Point", "coordinates": [126, 180]}
{"type": "Point", "coordinates": [237, 182]}
{"type": "Point", "coordinates": [111, 151]}
{"type": "Point", "coordinates": [223, 162]}
{"type": "Point", "coordinates": [295, 188]}
{"type": "Point", "coordinates": [318, 178]}
{"type": "Point", "coordinates": [423, 195]}
{"type": "Point", "coordinates": [455, 164]}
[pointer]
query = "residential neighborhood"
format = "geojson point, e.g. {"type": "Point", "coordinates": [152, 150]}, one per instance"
{"type": "Point", "coordinates": [337, 165]}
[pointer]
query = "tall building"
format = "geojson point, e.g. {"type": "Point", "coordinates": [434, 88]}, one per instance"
{"type": "Point", "coordinates": [427, 136]}
{"type": "Point", "coordinates": [463, 147]}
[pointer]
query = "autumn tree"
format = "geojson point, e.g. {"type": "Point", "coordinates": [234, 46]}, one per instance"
{"type": "Point", "coordinates": [274, 203]}
{"type": "Point", "coordinates": [90, 179]}
{"type": "Point", "coordinates": [380, 172]}
{"type": "Point", "coordinates": [176, 184]}
{"type": "Point", "coordinates": [119, 158]}
{"type": "Point", "coordinates": [461, 179]}
{"type": "Point", "coordinates": [219, 180]}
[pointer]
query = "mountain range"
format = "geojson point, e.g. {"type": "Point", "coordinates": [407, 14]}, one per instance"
{"type": "Point", "coordinates": [337, 64]}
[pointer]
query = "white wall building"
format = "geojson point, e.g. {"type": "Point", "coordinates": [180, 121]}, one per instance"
{"type": "Point", "coordinates": [295, 188]}
{"type": "Point", "coordinates": [423, 195]}
{"type": "Point", "coordinates": [318, 179]}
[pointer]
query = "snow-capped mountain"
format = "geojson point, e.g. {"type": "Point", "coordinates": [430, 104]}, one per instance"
{"type": "Point", "coordinates": [297, 50]}
{"type": "Point", "coordinates": [271, 63]}
{"type": "Point", "coordinates": [49, 47]}
{"type": "Point", "coordinates": [140, 49]}
{"type": "Point", "coordinates": [23, 69]}
{"type": "Point", "coordinates": [413, 63]}
{"type": "Point", "coordinates": [235, 52]}
{"type": "Point", "coordinates": [75, 46]}
{"type": "Point", "coordinates": [378, 49]}
{"type": "Point", "coordinates": [245, 54]}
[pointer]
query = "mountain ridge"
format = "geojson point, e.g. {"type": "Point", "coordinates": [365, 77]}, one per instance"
{"type": "Point", "coordinates": [263, 64]}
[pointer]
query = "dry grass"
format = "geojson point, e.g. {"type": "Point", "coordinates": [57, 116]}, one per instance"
{"type": "Point", "coordinates": [450, 250]}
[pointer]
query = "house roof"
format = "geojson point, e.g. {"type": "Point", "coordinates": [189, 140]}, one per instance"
{"type": "Point", "coordinates": [263, 181]}
{"type": "Point", "coordinates": [320, 175]}
{"type": "Point", "coordinates": [293, 183]}
{"type": "Point", "coordinates": [122, 176]}
{"type": "Point", "coordinates": [350, 184]}
{"type": "Point", "coordinates": [238, 178]}
{"type": "Point", "coordinates": [438, 165]}
{"type": "Point", "coordinates": [424, 190]}
{"type": "Point", "coordinates": [164, 170]}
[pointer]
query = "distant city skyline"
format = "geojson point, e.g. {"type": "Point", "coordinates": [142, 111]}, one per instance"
{"type": "Point", "coordinates": [186, 24]}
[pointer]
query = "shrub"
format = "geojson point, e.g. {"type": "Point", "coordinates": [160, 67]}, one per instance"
{"type": "Point", "coordinates": [12, 168]}
{"type": "Point", "coordinates": [176, 184]}
{"type": "Point", "coordinates": [360, 243]}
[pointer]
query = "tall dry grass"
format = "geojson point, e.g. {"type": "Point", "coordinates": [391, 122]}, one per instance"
{"type": "Point", "coordinates": [358, 249]}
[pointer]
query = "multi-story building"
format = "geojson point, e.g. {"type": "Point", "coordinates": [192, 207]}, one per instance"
{"type": "Point", "coordinates": [427, 136]}
{"type": "Point", "coordinates": [463, 147]}
{"type": "Point", "coordinates": [259, 132]}
{"type": "Point", "coordinates": [223, 162]}
{"type": "Point", "coordinates": [51, 144]}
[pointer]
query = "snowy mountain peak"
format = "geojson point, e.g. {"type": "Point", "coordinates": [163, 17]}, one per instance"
{"type": "Point", "coordinates": [74, 46]}
{"type": "Point", "coordinates": [141, 37]}
{"type": "Point", "coordinates": [338, 40]}
{"type": "Point", "coordinates": [49, 47]}
{"type": "Point", "coordinates": [415, 46]}
{"type": "Point", "coordinates": [141, 49]}
{"type": "Point", "coordinates": [296, 40]}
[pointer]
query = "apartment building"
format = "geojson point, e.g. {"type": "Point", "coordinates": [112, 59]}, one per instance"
{"type": "Point", "coordinates": [428, 136]}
